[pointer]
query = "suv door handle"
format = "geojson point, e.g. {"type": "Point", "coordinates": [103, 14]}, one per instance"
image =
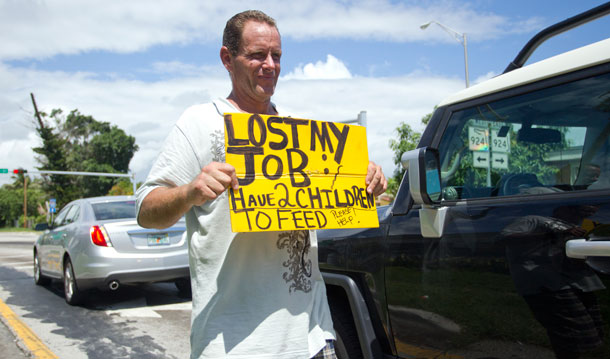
{"type": "Point", "coordinates": [582, 248]}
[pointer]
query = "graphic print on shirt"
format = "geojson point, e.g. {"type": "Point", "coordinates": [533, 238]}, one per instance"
{"type": "Point", "coordinates": [299, 266]}
{"type": "Point", "coordinates": [218, 146]}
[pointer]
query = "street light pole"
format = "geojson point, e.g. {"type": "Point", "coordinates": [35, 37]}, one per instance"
{"type": "Point", "coordinates": [460, 37]}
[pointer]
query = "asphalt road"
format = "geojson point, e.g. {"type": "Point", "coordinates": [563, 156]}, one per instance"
{"type": "Point", "coordinates": [146, 321]}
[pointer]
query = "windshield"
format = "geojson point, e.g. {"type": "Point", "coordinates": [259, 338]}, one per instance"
{"type": "Point", "coordinates": [114, 210]}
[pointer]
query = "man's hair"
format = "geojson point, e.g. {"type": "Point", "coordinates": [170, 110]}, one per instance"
{"type": "Point", "coordinates": [231, 37]}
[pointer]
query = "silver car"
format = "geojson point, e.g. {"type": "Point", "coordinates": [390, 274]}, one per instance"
{"type": "Point", "coordinates": [97, 243]}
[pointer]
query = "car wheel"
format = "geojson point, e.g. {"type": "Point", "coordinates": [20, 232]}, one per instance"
{"type": "Point", "coordinates": [184, 287]}
{"type": "Point", "coordinates": [347, 345]}
{"type": "Point", "coordinates": [39, 278]}
{"type": "Point", "coordinates": [72, 294]}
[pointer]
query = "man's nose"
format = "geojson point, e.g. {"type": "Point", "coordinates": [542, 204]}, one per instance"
{"type": "Point", "coordinates": [269, 63]}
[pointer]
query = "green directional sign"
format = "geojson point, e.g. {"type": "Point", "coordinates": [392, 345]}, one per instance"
{"type": "Point", "coordinates": [3, 170]}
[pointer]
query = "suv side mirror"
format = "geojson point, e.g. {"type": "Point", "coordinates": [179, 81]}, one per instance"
{"type": "Point", "coordinates": [424, 173]}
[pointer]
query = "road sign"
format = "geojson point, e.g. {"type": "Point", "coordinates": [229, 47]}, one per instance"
{"type": "Point", "coordinates": [3, 170]}
{"type": "Point", "coordinates": [500, 143]}
{"type": "Point", "coordinates": [478, 138]}
{"type": "Point", "coordinates": [480, 159]}
{"type": "Point", "coordinates": [52, 204]}
{"type": "Point", "coordinates": [499, 160]}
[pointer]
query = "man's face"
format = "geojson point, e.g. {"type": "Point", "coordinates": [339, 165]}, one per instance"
{"type": "Point", "coordinates": [256, 68]}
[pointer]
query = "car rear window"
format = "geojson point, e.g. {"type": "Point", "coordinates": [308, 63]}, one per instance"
{"type": "Point", "coordinates": [114, 210]}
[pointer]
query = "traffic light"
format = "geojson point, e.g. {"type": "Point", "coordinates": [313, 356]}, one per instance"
{"type": "Point", "coordinates": [19, 170]}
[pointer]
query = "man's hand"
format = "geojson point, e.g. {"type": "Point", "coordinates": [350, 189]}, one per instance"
{"type": "Point", "coordinates": [375, 180]}
{"type": "Point", "coordinates": [164, 206]}
{"type": "Point", "coordinates": [211, 182]}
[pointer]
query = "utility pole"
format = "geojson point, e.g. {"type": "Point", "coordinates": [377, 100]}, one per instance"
{"type": "Point", "coordinates": [25, 201]}
{"type": "Point", "coordinates": [36, 113]}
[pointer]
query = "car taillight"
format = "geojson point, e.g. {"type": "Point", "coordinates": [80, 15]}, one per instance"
{"type": "Point", "coordinates": [99, 237]}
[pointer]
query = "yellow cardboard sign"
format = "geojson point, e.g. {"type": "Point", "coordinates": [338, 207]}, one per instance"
{"type": "Point", "coordinates": [297, 174]}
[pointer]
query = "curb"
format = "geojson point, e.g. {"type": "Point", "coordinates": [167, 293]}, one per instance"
{"type": "Point", "coordinates": [26, 340]}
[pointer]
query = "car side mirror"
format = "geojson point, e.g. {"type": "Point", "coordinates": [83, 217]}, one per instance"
{"type": "Point", "coordinates": [41, 227]}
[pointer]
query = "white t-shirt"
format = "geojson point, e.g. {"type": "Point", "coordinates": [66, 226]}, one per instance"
{"type": "Point", "coordinates": [255, 295]}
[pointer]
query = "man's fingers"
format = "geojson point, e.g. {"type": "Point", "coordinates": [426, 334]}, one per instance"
{"type": "Point", "coordinates": [375, 179]}
{"type": "Point", "coordinates": [233, 175]}
{"type": "Point", "coordinates": [224, 173]}
{"type": "Point", "coordinates": [229, 170]}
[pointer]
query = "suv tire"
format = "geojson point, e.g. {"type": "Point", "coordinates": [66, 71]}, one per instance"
{"type": "Point", "coordinates": [347, 345]}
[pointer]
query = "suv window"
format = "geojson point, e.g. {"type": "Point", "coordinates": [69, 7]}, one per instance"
{"type": "Point", "coordinates": [542, 142]}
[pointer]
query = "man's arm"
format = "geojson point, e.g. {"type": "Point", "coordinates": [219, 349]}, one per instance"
{"type": "Point", "coordinates": [164, 206]}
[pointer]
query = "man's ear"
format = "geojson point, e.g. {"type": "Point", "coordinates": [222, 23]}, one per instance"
{"type": "Point", "coordinates": [226, 58]}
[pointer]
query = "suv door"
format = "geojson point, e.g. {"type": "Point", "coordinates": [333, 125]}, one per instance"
{"type": "Point", "coordinates": [522, 173]}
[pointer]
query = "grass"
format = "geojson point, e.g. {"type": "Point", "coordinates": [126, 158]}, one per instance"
{"type": "Point", "coordinates": [17, 229]}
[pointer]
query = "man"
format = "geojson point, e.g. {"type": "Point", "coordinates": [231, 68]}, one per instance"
{"type": "Point", "coordinates": [247, 301]}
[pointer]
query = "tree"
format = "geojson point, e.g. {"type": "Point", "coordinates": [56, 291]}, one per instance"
{"type": "Point", "coordinates": [122, 187]}
{"type": "Point", "coordinates": [11, 200]}
{"type": "Point", "coordinates": [407, 141]}
{"type": "Point", "coordinates": [78, 142]}
{"type": "Point", "coordinates": [11, 205]}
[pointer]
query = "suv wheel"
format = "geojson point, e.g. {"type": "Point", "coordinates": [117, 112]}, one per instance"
{"type": "Point", "coordinates": [72, 294]}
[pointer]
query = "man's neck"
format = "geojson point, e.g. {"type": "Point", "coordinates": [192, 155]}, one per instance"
{"type": "Point", "coordinates": [264, 108]}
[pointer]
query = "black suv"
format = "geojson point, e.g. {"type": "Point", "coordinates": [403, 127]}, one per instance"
{"type": "Point", "coordinates": [495, 244]}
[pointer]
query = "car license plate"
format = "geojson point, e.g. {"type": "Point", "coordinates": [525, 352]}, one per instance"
{"type": "Point", "coordinates": [158, 239]}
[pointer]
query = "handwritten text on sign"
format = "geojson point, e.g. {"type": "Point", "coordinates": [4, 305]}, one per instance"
{"type": "Point", "coordinates": [297, 174]}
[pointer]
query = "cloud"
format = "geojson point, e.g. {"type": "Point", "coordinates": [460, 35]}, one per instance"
{"type": "Point", "coordinates": [145, 110]}
{"type": "Point", "coordinates": [333, 69]}
{"type": "Point", "coordinates": [485, 77]}
{"type": "Point", "coordinates": [387, 102]}
{"type": "Point", "coordinates": [323, 90]}
{"type": "Point", "coordinates": [72, 26]}
{"type": "Point", "coordinates": [41, 29]}
{"type": "Point", "coordinates": [148, 110]}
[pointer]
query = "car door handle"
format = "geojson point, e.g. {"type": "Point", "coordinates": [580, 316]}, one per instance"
{"type": "Point", "coordinates": [582, 248]}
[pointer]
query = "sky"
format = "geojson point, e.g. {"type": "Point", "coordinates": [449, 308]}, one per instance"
{"type": "Point", "coordinates": [139, 64]}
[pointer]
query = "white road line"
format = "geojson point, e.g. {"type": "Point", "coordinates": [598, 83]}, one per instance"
{"type": "Point", "coordinates": [142, 311]}
{"type": "Point", "coordinates": [16, 264]}
{"type": "Point", "coordinates": [25, 267]}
